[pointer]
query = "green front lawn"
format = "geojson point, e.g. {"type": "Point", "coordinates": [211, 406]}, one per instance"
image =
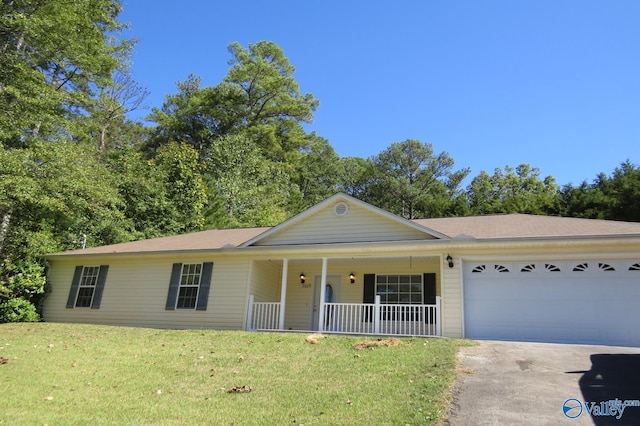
{"type": "Point", "coordinates": [83, 374]}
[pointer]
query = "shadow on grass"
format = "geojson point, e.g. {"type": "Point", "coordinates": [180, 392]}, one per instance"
{"type": "Point", "coordinates": [612, 376]}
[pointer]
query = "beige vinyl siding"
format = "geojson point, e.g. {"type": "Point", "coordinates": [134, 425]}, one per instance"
{"type": "Point", "coordinates": [266, 277]}
{"type": "Point", "coordinates": [451, 302]}
{"type": "Point", "coordinates": [358, 225]}
{"type": "Point", "coordinates": [136, 291]}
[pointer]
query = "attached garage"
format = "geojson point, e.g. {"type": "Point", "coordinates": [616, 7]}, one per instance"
{"type": "Point", "coordinates": [590, 301]}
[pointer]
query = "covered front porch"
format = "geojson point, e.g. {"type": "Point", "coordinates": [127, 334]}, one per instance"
{"type": "Point", "coordinates": [365, 295]}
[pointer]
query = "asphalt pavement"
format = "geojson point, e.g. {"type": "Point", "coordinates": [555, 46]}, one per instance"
{"type": "Point", "coordinates": [509, 383]}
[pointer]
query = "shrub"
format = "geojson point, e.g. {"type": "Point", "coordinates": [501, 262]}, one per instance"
{"type": "Point", "coordinates": [18, 310]}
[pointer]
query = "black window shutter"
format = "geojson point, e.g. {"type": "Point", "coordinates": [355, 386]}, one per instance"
{"type": "Point", "coordinates": [369, 295]}
{"type": "Point", "coordinates": [205, 284]}
{"type": "Point", "coordinates": [75, 284]}
{"type": "Point", "coordinates": [97, 292]}
{"type": "Point", "coordinates": [174, 284]}
{"type": "Point", "coordinates": [429, 297]}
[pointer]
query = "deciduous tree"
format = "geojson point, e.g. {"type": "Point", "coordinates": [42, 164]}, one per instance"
{"type": "Point", "coordinates": [53, 55]}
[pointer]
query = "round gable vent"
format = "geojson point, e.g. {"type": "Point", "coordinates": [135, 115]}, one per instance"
{"type": "Point", "coordinates": [341, 209]}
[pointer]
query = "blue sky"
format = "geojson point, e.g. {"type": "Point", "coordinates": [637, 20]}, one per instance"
{"type": "Point", "coordinates": [551, 83]}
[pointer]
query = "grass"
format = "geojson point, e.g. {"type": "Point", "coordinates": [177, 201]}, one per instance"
{"type": "Point", "coordinates": [86, 374]}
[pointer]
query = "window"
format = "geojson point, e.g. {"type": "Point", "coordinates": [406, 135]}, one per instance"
{"type": "Point", "coordinates": [501, 268]}
{"type": "Point", "coordinates": [87, 286]}
{"type": "Point", "coordinates": [189, 286]}
{"type": "Point", "coordinates": [88, 282]}
{"type": "Point", "coordinates": [528, 268]}
{"type": "Point", "coordinates": [399, 289]}
{"type": "Point", "coordinates": [581, 267]}
{"type": "Point", "coordinates": [551, 268]}
{"type": "Point", "coordinates": [606, 267]}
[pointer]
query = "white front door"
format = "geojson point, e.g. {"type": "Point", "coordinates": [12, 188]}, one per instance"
{"type": "Point", "coordinates": [331, 295]}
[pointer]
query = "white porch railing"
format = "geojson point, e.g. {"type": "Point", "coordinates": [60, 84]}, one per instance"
{"type": "Point", "coordinates": [376, 318]}
{"type": "Point", "coordinates": [263, 315]}
{"type": "Point", "coordinates": [358, 318]}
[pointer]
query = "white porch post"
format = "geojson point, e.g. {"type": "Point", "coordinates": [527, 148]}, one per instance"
{"type": "Point", "coordinates": [323, 288]}
{"type": "Point", "coordinates": [283, 292]}
{"type": "Point", "coordinates": [250, 313]}
{"type": "Point", "coordinates": [438, 317]}
{"type": "Point", "coordinates": [376, 315]}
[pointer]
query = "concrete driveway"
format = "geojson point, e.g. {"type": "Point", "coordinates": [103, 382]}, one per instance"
{"type": "Point", "coordinates": [505, 383]}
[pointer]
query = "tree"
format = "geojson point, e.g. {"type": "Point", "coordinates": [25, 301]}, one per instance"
{"type": "Point", "coordinates": [165, 195]}
{"type": "Point", "coordinates": [259, 98]}
{"type": "Point", "coordinates": [614, 198]}
{"type": "Point", "coordinates": [181, 170]}
{"type": "Point", "coordinates": [53, 54]}
{"type": "Point", "coordinates": [625, 189]}
{"type": "Point", "coordinates": [356, 176]}
{"type": "Point", "coordinates": [255, 190]}
{"type": "Point", "coordinates": [518, 190]}
{"type": "Point", "coordinates": [187, 116]}
{"type": "Point", "coordinates": [585, 201]}
{"type": "Point", "coordinates": [109, 126]}
{"type": "Point", "coordinates": [53, 196]}
{"type": "Point", "coordinates": [410, 180]}
{"type": "Point", "coordinates": [315, 171]}
{"type": "Point", "coordinates": [248, 130]}
{"type": "Point", "coordinates": [260, 91]}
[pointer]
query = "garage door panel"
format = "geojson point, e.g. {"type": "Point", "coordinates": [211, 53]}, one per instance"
{"type": "Point", "coordinates": [588, 305]}
{"type": "Point", "coordinates": [558, 334]}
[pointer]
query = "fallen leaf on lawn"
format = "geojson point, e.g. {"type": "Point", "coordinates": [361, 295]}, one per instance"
{"type": "Point", "coordinates": [376, 343]}
{"type": "Point", "coordinates": [314, 338]}
{"type": "Point", "coordinates": [240, 389]}
{"type": "Point", "coordinates": [4, 360]}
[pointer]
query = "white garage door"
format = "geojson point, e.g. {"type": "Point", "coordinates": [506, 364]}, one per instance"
{"type": "Point", "coordinates": [574, 302]}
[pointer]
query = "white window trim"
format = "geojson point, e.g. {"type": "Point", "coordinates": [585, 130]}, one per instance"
{"type": "Point", "coordinates": [410, 293]}
{"type": "Point", "coordinates": [82, 285]}
{"type": "Point", "coordinates": [181, 286]}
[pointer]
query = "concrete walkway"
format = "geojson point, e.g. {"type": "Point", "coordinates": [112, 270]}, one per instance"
{"type": "Point", "coordinates": [508, 383]}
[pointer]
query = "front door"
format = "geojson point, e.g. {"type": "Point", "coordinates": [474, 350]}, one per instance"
{"type": "Point", "coordinates": [331, 295]}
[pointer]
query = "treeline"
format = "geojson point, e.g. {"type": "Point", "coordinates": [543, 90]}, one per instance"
{"type": "Point", "coordinates": [75, 171]}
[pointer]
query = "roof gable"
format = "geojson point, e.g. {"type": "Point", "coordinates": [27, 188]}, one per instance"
{"type": "Point", "coordinates": [343, 219]}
